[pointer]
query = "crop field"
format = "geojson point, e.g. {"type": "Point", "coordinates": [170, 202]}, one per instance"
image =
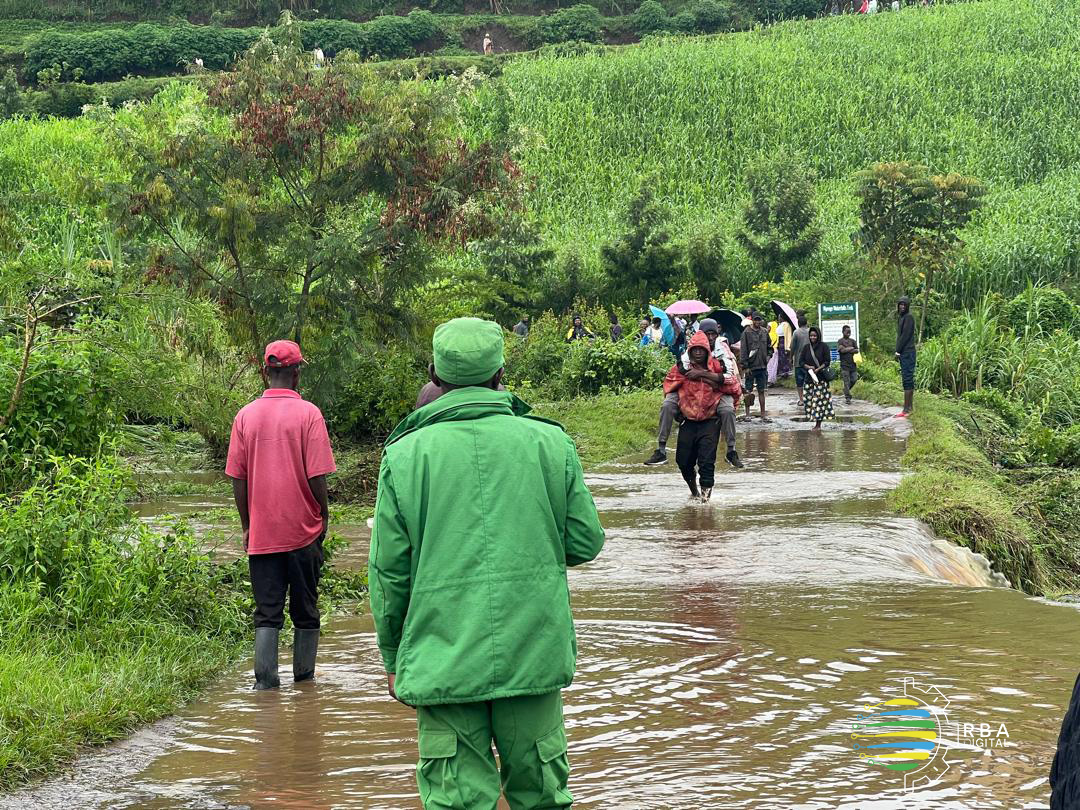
{"type": "Point", "coordinates": [987, 89]}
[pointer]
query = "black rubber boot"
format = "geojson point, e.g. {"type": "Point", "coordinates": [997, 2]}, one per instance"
{"type": "Point", "coordinates": [266, 664]}
{"type": "Point", "coordinates": [305, 648]}
{"type": "Point", "coordinates": [734, 460]}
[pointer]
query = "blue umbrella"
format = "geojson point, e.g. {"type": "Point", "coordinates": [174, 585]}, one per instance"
{"type": "Point", "coordinates": [665, 324]}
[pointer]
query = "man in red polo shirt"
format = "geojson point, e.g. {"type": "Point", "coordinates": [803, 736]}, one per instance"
{"type": "Point", "coordinates": [279, 457]}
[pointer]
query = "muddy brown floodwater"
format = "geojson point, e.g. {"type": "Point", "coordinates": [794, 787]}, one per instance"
{"type": "Point", "coordinates": [725, 652]}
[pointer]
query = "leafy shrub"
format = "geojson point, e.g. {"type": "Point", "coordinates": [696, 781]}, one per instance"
{"type": "Point", "coordinates": [1039, 311]}
{"type": "Point", "coordinates": [580, 22]}
{"type": "Point", "coordinates": [996, 402]}
{"type": "Point", "coordinates": [147, 49]}
{"type": "Point", "coordinates": [684, 21]}
{"type": "Point", "coordinates": [649, 17]}
{"type": "Point", "coordinates": [1048, 446]}
{"type": "Point", "coordinates": [72, 538]}
{"type": "Point", "coordinates": [600, 365]}
{"type": "Point", "coordinates": [143, 49]}
{"type": "Point", "coordinates": [711, 15]}
{"type": "Point", "coordinates": [11, 98]}
{"type": "Point", "coordinates": [379, 390]}
{"type": "Point", "coordinates": [537, 360]}
{"type": "Point", "coordinates": [64, 410]}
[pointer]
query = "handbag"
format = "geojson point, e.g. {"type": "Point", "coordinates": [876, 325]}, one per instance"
{"type": "Point", "coordinates": [826, 374]}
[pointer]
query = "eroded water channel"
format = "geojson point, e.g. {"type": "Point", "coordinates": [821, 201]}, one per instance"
{"type": "Point", "coordinates": [725, 652]}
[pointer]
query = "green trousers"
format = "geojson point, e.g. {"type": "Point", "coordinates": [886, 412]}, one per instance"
{"type": "Point", "coordinates": [457, 768]}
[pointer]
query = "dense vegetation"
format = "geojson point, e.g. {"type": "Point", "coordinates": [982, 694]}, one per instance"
{"type": "Point", "coordinates": [147, 253]}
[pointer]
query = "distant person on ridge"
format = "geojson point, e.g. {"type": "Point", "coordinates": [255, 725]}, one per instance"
{"type": "Point", "coordinates": [278, 460]}
{"type": "Point", "coordinates": [480, 510]}
{"type": "Point", "coordinates": [847, 348]}
{"type": "Point", "coordinates": [489, 46]}
{"type": "Point", "coordinates": [905, 352]}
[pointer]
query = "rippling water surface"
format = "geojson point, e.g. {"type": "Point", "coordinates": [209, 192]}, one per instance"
{"type": "Point", "coordinates": [725, 651]}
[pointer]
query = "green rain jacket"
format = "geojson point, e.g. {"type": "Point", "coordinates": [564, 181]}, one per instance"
{"type": "Point", "coordinates": [480, 510]}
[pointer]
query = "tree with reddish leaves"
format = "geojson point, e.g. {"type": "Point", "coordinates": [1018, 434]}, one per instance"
{"type": "Point", "coordinates": [307, 198]}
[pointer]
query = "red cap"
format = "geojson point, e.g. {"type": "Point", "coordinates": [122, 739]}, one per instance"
{"type": "Point", "coordinates": [284, 353]}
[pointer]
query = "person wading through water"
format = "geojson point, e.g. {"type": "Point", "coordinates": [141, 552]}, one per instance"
{"type": "Point", "coordinates": [480, 509]}
{"type": "Point", "coordinates": [726, 376]}
{"type": "Point", "coordinates": [700, 387]}
{"type": "Point", "coordinates": [905, 352]}
{"type": "Point", "coordinates": [278, 460]}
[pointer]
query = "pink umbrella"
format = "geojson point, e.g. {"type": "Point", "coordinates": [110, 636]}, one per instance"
{"type": "Point", "coordinates": [688, 308]}
{"type": "Point", "coordinates": [782, 310]}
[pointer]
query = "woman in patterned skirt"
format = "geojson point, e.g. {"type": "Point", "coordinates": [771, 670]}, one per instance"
{"type": "Point", "coordinates": [817, 399]}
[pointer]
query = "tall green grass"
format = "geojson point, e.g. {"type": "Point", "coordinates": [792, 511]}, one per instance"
{"type": "Point", "coordinates": [987, 89]}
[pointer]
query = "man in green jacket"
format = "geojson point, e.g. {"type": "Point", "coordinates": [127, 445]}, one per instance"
{"type": "Point", "coordinates": [480, 510]}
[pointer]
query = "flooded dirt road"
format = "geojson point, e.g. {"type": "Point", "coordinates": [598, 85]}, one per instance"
{"type": "Point", "coordinates": [725, 653]}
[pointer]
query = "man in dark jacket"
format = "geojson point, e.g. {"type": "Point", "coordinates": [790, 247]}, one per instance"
{"type": "Point", "coordinates": [905, 352]}
{"type": "Point", "coordinates": [755, 350]}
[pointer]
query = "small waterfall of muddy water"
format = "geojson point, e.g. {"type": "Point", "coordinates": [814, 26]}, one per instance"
{"type": "Point", "coordinates": [725, 653]}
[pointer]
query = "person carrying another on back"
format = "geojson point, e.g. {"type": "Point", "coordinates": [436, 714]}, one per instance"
{"type": "Point", "coordinates": [578, 330]}
{"type": "Point", "coordinates": [816, 358]}
{"type": "Point", "coordinates": [698, 390]}
{"type": "Point", "coordinates": [799, 339]}
{"type": "Point", "coordinates": [278, 460]}
{"type": "Point", "coordinates": [521, 328]}
{"type": "Point", "coordinates": [754, 356]}
{"type": "Point", "coordinates": [905, 352]}
{"type": "Point", "coordinates": [723, 374]}
{"type": "Point", "coordinates": [480, 509]}
{"type": "Point", "coordinates": [847, 348]}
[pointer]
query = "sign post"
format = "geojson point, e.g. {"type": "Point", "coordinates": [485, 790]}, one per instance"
{"type": "Point", "coordinates": [832, 318]}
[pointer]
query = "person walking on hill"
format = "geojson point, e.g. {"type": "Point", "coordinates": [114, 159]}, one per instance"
{"type": "Point", "coordinates": [480, 509]}
{"type": "Point", "coordinates": [615, 331]}
{"type": "Point", "coordinates": [754, 355]}
{"type": "Point", "coordinates": [847, 348]}
{"type": "Point", "coordinates": [578, 330]}
{"type": "Point", "coordinates": [799, 339]}
{"type": "Point", "coordinates": [279, 457]}
{"type": "Point", "coordinates": [488, 45]}
{"type": "Point", "coordinates": [905, 352]}
{"type": "Point", "coordinates": [816, 358]}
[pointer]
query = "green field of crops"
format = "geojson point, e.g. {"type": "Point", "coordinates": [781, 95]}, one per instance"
{"type": "Point", "coordinates": [988, 89]}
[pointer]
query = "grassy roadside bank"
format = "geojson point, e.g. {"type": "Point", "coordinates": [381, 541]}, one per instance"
{"type": "Point", "coordinates": [106, 625]}
{"type": "Point", "coordinates": [960, 485]}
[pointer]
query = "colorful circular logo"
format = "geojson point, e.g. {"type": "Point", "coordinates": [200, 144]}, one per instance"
{"type": "Point", "coordinates": [904, 734]}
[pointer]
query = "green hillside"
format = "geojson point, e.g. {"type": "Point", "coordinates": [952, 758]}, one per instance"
{"type": "Point", "coordinates": [988, 89]}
